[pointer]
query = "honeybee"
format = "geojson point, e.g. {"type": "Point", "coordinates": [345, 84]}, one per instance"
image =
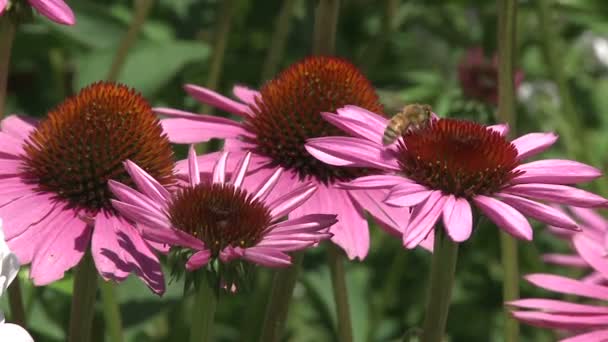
{"type": "Point", "coordinates": [411, 116]}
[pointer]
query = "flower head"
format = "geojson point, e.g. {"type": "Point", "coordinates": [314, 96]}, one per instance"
{"type": "Point", "coordinates": [56, 201]}
{"type": "Point", "coordinates": [221, 219]}
{"type": "Point", "coordinates": [277, 121]}
{"type": "Point", "coordinates": [444, 167]}
{"type": "Point", "coordinates": [56, 10]}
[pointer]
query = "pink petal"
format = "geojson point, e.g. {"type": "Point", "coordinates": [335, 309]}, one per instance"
{"type": "Point", "coordinates": [3, 6]}
{"type": "Point", "coordinates": [565, 321]}
{"type": "Point", "coordinates": [565, 260]}
{"type": "Point", "coordinates": [552, 305]}
{"type": "Point", "coordinates": [592, 252]}
{"type": "Point", "coordinates": [193, 173]}
{"type": "Point", "coordinates": [13, 332]}
{"type": "Point", "coordinates": [533, 143]}
{"type": "Point", "coordinates": [556, 193]}
{"type": "Point", "coordinates": [310, 223]}
{"type": "Point", "coordinates": [247, 95]}
{"type": "Point", "coordinates": [286, 203]}
{"type": "Point", "coordinates": [423, 219]}
{"type": "Point", "coordinates": [594, 336]}
{"type": "Point", "coordinates": [238, 176]}
{"type": "Point", "coordinates": [539, 211]}
{"type": "Point", "coordinates": [188, 128]}
{"type": "Point", "coordinates": [198, 260]}
{"type": "Point", "coordinates": [18, 215]}
{"type": "Point", "coordinates": [504, 216]}
{"type": "Point", "coordinates": [27, 243]}
{"type": "Point", "coordinates": [146, 183]}
{"type": "Point", "coordinates": [208, 96]}
{"type": "Point", "coordinates": [458, 218]}
{"type": "Point", "coordinates": [56, 10]}
{"type": "Point", "coordinates": [267, 257]}
{"type": "Point", "coordinates": [364, 115]}
{"type": "Point", "coordinates": [361, 129]}
{"type": "Point", "coordinates": [502, 129]}
{"type": "Point", "coordinates": [407, 195]}
{"type": "Point", "coordinates": [374, 182]}
{"type": "Point", "coordinates": [135, 198]}
{"type": "Point", "coordinates": [172, 236]}
{"type": "Point", "coordinates": [219, 171]}
{"type": "Point", "coordinates": [10, 166]}
{"type": "Point", "coordinates": [11, 145]}
{"type": "Point", "coordinates": [392, 219]}
{"type": "Point", "coordinates": [348, 151]}
{"type": "Point", "coordinates": [556, 171]}
{"type": "Point", "coordinates": [153, 219]}
{"type": "Point", "coordinates": [13, 188]}
{"type": "Point", "coordinates": [17, 126]}
{"type": "Point", "coordinates": [267, 185]}
{"type": "Point", "coordinates": [568, 286]}
{"type": "Point", "coordinates": [590, 218]}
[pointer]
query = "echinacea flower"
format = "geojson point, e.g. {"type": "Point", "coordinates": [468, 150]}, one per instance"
{"type": "Point", "coordinates": [478, 76]}
{"type": "Point", "coordinates": [56, 10]}
{"type": "Point", "coordinates": [440, 169]}
{"type": "Point", "coordinates": [219, 218]}
{"type": "Point", "coordinates": [9, 267]}
{"type": "Point", "coordinates": [54, 197]}
{"type": "Point", "coordinates": [584, 322]}
{"type": "Point", "coordinates": [276, 121]}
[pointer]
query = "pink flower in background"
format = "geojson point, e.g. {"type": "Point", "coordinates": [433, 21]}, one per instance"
{"type": "Point", "coordinates": [478, 76]}
{"type": "Point", "coordinates": [220, 218]}
{"type": "Point", "coordinates": [442, 168]}
{"type": "Point", "coordinates": [54, 197]}
{"type": "Point", "coordinates": [275, 125]}
{"type": "Point", "coordinates": [56, 10]}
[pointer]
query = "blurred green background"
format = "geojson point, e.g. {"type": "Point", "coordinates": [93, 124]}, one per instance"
{"type": "Point", "coordinates": [410, 51]}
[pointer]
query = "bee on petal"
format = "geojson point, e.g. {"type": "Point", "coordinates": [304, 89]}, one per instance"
{"type": "Point", "coordinates": [411, 116]}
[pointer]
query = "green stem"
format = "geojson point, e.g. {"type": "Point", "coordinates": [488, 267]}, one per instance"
{"type": "Point", "coordinates": [141, 11]}
{"type": "Point", "coordinates": [203, 312]}
{"type": "Point", "coordinates": [7, 35]}
{"type": "Point", "coordinates": [326, 23]}
{"type": "Point", "coordinates": [338, 281]}
{"type": "Point", "coordinates": [280, 297]}
{"type": "Point", "coordinates": [111, 311]}
{"type": "Point", "coordinates": [443, 267]}
{"type": "Point", "coordinates": [507, 20]}
{"type": "Point", "coordinates": [372, 54]}
{"type": "Point", "coordinates": [15, 300]}
{"type": "Point", "coordinates": [83, 300]}
{"type": "Point", "coordinates": [278, 40]}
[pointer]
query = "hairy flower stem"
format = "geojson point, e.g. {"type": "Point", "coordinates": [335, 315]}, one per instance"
{"type": "Point", "coordinates": [203, 313]}
{"type": "Point", "coordinates": [83, 300]}
{"type": "Point", "coordinates": [338, 281]}
{"type": "Point", "coordinates": [7, 35]}
{"type": "Point", "coordinates": [111, 311]}
{"type": "Point", "coordinates": [443, 267]}
{"type": "Point", "coordinates": [507, 14]}
{"type": "Point", "coordinates": [326, 23]}
{"type": "Point", "coordinates": [280, 296]}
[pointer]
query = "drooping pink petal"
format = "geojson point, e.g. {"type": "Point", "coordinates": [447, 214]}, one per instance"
{"type": "Point", "coordinates": [56, 10]}
{"type": "Point", "coordinates": [133, 197]}
{"type": "Point", "coordinates": [565, 260]}
{"type": "Point", "coordinates": [553, 305]}
{"type": "Point", "coordinates": [374, 182]}
{"type": "Point", "coordinates": [392, 219]}
{"type": "Point", "coordinates": [10, 166]}
{"type": "Point", "coordinates": [556, 171]}
{"type": "Point", "coordinates": [267, 185]}
{"type": "Point", "coordinates": [10, 145]}
{"type": "Point", "coordinates": [172, 236]}
{"type": "Point", "coordinates": [208, 96]}
{"type": "Point", "coordinates": [349, 151]}
{"type": "Point", "coordinates": [13, 188]}
{"type": "Point", "coordinates": [286, 203]}
{"type": "Point", "coordinates": [423, 219]}
{"type": "Point", "coordinates": [504, 216]}
{"type": "Point", "coordinates": [118, 250]}
{"type": "Point", "coordinates": [407, 195]}
{"type": "Point", "coordinates": [187, 128]}
{"type": "Point", "coordinates": [146, 183]}
{"type": "Point", "coordinates": [219, 171]}
{"type": "Point", "coordinates": [238, 176]}
{"type": "Point", "coordinates": [18, 215]}
{"type": "Point", "coordinates": [592, 252]}
{"type": "Point", "coordinates": [597, 335]}
{"type": "Point", "coordinates": [533, 143]}
{"type": "Point", "coordinates": [193, 174]}
{"type": "Point", "coordinates": [590, 218]}
{"type": "Point", "coordinates": [268, 257]}
{"type": "Point", "coordinates": [153, 219]}
{"type": "Point", "coordinates": [63, 249]}
{"type": "Point", "coordinates": [18, 126]}
{"type": "Point", "coordinates": [566, 285]}
{"type": "Point", "coordinates": [198, 260]}
{"type": "Point", "coordinates": [246, 95]}
{"type": "Point", "coordinates": [26, 244]}
{"type": "Point", "coordinates": [561, 321]}
{"type": "Point", "coordinates": [358, 128]}
{"type": "Point", "coordinates": [364, 115]}
{"type": "Point", "coordinates": [458, 218]}
{"type": "Point", "coordinates": [310, 223]}
{"type": "Point", "coordinates": [556, 193]}
{"type": "Point", "coordinates": [502, 129]}
{"type": "Point", "coordinates": [539, 211]}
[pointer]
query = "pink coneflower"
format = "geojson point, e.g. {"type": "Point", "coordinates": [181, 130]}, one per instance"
{"type": "Point", "coordinates": [584, 322]}
{"type": "Point", "coordinates": [440, 169]}
{"type": "Point", "coordinates": [478, 76]}
{"type": "Point", "coordinates": [276, 123]}
{"type": "Point", "coordinates": [56, 10]}
{"type": "Point", "coordinates": [54, 197]}
{"type": "Point", "coordinates": [219, 217]}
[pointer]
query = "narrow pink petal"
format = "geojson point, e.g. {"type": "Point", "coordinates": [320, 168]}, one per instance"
{"type": "Point", "coordinates": [230, 253]}
{"type": "Point", "coordinates": [27, 243]}
{"type": "Point", "coordinates": [286, 203]}
{"type": "Point", "coordinates": [13, 332]}
{"type": "Point", "coordinates": [361, 129]}
{"type": "Point", "coordinates": [246, 95]}
{"type": "Point", "coordinates": [146, 183]}
{"type": "Point", "coordinates": [152, 219]}
{"type": "Point", "coordinates": [193, 173]}
{"type": "Point", "coordinates": [592, 252]}
{"type": "Point", "coordinates": [310, 223]}
{"type": "Point", "coordinates": [267, 257]}
{"type": "Point", "coordinates": [556, 171]}
{"type": "Point", "coordinates": [364, 115]}
{"type": "Point", "coordinates": [533, 143]}
{"type": "Point", "coordinates": [539, 211]}
{"type": "Point", "coordinates": [56, 10]}
{"type": "Point", "coordinates": [219, 171]}
{"type": "Point", "coordinates": [353, 152]}
{"type": "Point", "coordinates": [566, 285]}
{"type": "Point", "coordinates": [552, 305]}
{"type": "Point", "coordinates": [458, 218]}
{"type": "Point", "coordinates": [392, 219]}
{"type": "Point", "coordinates": [198, 260]}
{"type": "Point", "coordinates": [423, 219]}
{"type": "Point", "coordinates": [13, 188]}
{"type": "Point", "coordinates": [374, 182]}
{"type": "Point", "coordinates": [118, 250]}
{"type": "Point", "coordinates": [239, 174]}
{"type": "Point", "coordinates": [594, 278]}
{"type": "Point", "coordinates": [266, 186]}
{"type": "Point", "coordinates": [590, 218]}
{"type": "Point", "coordinates": [407, 195]}
{"type": "Point", "coordinates": [10, 166]}
{"type": "Point", "coordinates": [11, 145]}
{"type": "Point", "coordinates": [594, 336]}
{"type": "Point", "coordinates": [63, 249]}
{"type": "Point", "coordinates": [18, 126]}
{"type": "Point", "coordinates": [565, 321]}
{"type": "Point", "coordinates": [556, 193]}
{"type": "Point", "coordinates": [504, 216]}
{"type": "Point", "coordinates": [133, 197]}
{"type": "Point", "coordinates": [18, 215]}
{"type": "Point", "coordinates": [200, 128]}
{"type": "Point", "coordinates": [172, 236]}
{"type": "Point", "coordinates": [565, 260]}
{"type": "Point", "coordinates": [208, 96]}
{"type": "Point", "coordinates": [502, 129]}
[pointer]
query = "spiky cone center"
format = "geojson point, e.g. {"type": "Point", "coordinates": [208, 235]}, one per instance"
{"type": "Point", "coordinates": [458, 157]}
{"type": "Point", "coordinates": [85, 140]}
{"type": "Point", "coordinates": [289, 112]}
{"type": "Point", "coordinates": [219, 215]}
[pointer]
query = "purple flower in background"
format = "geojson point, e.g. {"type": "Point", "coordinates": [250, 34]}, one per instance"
{"type": "Point", "coordinates": [56, 10]}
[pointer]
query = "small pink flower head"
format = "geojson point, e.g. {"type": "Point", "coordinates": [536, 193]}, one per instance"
{"type": "Point", "coordinates": [56, 10]}
{"type": "Point", "coordinates": [218, 219]}
{"type": "Point", "coordinates": [479, 76]}
{"type": "Point", "coordinates": [441, 169]}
